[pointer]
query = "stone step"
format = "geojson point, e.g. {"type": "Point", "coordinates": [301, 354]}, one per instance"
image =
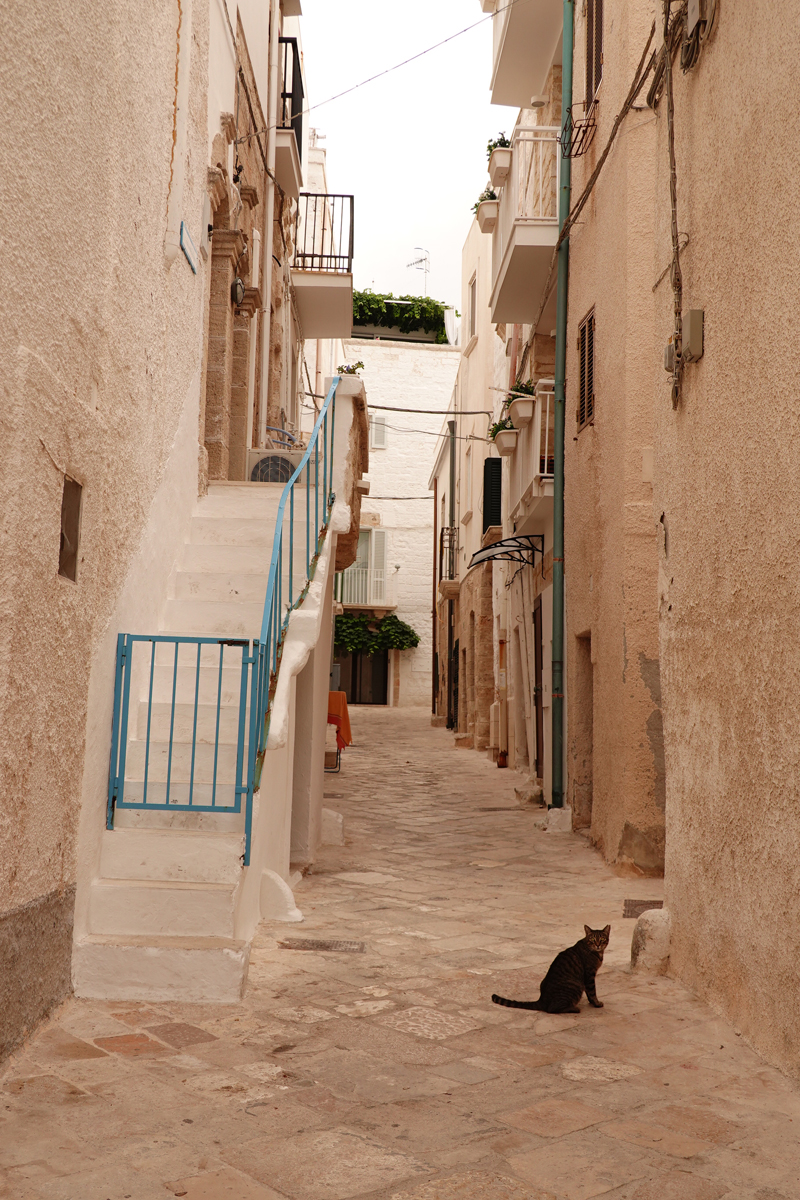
{"type": "Point", "coordinates": [237, 588]}
{"type": "Point", "coordinates": [200, 970]}
{"type": "Point", "coordinates": [145, 907]}
{"type": "Point", "coordinates": [241, 560]}
{"type": "Point", "coordinates": [219, 821]}
{"type": "Point", "coordinates": [158, 758]}
{"type": "Point", "coordinates": [182, 856]}
{"type": "Point", "coordinates": [184, 723]}
{"type": "Point", "coordinates": [244, 499]}
{"type": "Point", "coordinates": [208, 683]}
{"type": "Point", "coordinates": [213, 618]}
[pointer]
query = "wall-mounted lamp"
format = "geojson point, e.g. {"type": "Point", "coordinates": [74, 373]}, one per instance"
{"type": "Point", "coordinates": [237, 291]}
{"type": "Point", "coordinates": [538, 101]}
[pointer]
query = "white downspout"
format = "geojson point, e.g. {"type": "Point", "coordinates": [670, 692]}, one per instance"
{"type": "Point", "coordinates": [272, 121]}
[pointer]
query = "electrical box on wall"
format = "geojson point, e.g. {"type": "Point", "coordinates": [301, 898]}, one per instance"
{"type": "Point", "coordinates": [693, 334]}
{"type": "Point", "coordinates": [695, 13]}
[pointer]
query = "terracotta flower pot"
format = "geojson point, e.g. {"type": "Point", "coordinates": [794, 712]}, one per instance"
{"type": "Point", "coordinates": [487, 215]}
{"type": "Point", "coordinates": [521, 411]}
{"type": "Point", "coordinates": [506, 441]}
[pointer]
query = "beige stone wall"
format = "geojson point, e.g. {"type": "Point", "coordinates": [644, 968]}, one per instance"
{"type": "Point", "coordinates": [100, 341]}
{"type": "Point", "coordinates": [614, 734]}
{"type": "Point", "coordinates": [727, 483]}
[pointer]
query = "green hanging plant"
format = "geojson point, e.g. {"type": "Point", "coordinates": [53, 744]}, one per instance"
{"type": "Point", "coordinates": [488, 193]}
{"type": "Point", "coordinates": [415, 313]}
{"type": "Point", "coordinates": [496, 143]}
{"type": "Point", "coordinates": [354, 633]}
{"type": "Point", "coordinates": [526, 388]}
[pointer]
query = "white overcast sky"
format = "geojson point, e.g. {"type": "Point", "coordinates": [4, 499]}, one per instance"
{"type": "Point", "coordinates": [410, 147]}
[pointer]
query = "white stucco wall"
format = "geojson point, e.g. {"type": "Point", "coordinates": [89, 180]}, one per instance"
{"type": "Point", "coordinates": [407, 375]}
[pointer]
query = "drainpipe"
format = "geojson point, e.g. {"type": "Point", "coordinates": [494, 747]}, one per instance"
{"type": "Point", "coordinates": [452, 717]}
{"type": "Point", "coordinates": [557, 791]}
{"type": "Point", "coordinates": [272, 121]}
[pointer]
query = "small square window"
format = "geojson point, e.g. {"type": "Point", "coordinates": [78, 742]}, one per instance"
{"type": "Point", "coordinates": [70, 529]}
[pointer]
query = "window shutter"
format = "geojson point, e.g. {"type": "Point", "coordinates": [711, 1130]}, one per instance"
{"type": "Point", "coordinates": [589, 51]}
{"type": "Point", "coordinates": [586, 371]}
{"type": "Point", "coordinates": [377, 425]}
{"type": "Point", "coordinates": [378, 548]}
{"type": "Point", "coordinates": [492, 492]}
{"type": "Point", "coordinates": [598, 45]}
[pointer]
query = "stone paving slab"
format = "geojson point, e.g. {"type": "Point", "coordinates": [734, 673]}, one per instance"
{"type": "Point", "coordinates": [388, 1074]}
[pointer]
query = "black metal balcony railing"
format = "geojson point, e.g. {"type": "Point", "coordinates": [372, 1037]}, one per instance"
{"type": "Point", "coordinates": [291, 109]}
{"type": "Point", "coordinates": [448, 552]}
{"type": "Point", "coordinates": [324, 233]}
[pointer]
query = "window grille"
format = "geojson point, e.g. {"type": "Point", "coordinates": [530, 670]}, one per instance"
{"type": "Point", "coordinates": [377, 432]}
{"type": "Point", "coordinates": [594, 48]}
{"type": "Point", "coordinates": [70, 529]}
{"type": "Point", "coordinates": [586, 372]}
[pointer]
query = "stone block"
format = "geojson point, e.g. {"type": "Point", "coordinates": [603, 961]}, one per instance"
{"type": "Point", "coordinates": [531, 792]}
{"type": "Point", "coordinates": [559, 820]}
{"type": "Point", "coordinates": [332, 828]}
{"type": "Point", "coordinates": [650, 943]}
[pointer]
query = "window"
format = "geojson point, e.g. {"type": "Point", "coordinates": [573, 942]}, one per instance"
{"type": "Point", "coordinates": [594, 48]}
{"type": "Point", "coordinates": [468, 478]}
{"type": "Point", "coordinates": [585, 412]}
{"type": "Point", "coordinates": [492, 492]}
{"type": "Point", "coordinates": [70, 529]}
{"type": "Point", "coordinates": [377, 432]}
{"type": "Point", "coordinates": [473, 306]}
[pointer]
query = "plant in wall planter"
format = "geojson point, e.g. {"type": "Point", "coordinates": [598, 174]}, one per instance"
{"type": "Point", "coordinates": [486, 208]}
{"type": "Point", "coordinates": [350, 368]}
{"type": "Point", "coordinates": [504, 435]}
{"type": "Point", "coordinates": [499, 152]}
{"type": "Point", "coordinates": [520, 403]}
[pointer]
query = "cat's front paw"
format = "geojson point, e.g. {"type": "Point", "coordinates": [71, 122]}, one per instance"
{"type": "Point", "coordinates": [596, 1003]}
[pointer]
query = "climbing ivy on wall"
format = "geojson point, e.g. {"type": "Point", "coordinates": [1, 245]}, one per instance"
{"type": "Point", "coordinates": [364, 633]}
{"type": "Point", "coordinates": [422, 312]}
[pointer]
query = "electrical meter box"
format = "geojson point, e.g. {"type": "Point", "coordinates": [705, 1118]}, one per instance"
{"type": "Point", "coordinates": [695, 13]}
{"type": "Point", "coordinates": [693, 334]}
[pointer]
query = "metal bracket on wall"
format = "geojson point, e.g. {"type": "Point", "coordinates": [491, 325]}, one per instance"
{"type": "Point", "coordinates": [521, 548]}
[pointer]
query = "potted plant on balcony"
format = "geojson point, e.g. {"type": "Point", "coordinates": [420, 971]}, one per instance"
{"type": "Point", "coordinates": [520, 403]}
{"type": "Point", "coordinates": [498, 151]}
{"type": "Point", "coordinates": [504, 435]}
{"type": "Point", "coordinates": [485, 209]}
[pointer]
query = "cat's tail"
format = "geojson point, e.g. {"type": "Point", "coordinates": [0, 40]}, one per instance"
{"type": "Point", "coordinates": [517, 1003]}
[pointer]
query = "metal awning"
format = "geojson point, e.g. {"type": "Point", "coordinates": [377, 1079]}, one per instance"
{"type": "Point", "coordinates": [521, 548]}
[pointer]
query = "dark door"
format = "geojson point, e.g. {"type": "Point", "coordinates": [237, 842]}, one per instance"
{"type": "Point", "coordinates": [537, 686]}
{"type": "Point", "coordinates": [364, 677]}
{"type": "Point", "coordinates": [452, 722]}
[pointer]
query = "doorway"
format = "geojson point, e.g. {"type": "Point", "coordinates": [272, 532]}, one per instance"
{"type": "Point", "coordinates": [364, 677]}
{"type": "Point", "coordinates": [537, 687]}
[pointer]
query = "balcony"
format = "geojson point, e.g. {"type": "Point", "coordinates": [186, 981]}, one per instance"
{"type": "Point", "coordinates": [364, 587]}
{"type": "Point", "coordinates": [289, 134]}
{"type": "Point", "coordinates": [532, 463]}
{"type": "Point", "coordinates": [322, 271]}
{"type": "Point", "coordinates": [527, 226]}
{"type": "Point", "coordinates": [527, 43]}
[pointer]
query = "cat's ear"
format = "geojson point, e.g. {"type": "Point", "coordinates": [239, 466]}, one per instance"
{"type": "Point", "coordinates": [607, 930]}
{"type": "Point", "coordinates": [586, 930]}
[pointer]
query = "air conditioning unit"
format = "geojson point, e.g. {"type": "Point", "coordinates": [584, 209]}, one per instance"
{"type": "Point", "coordinates": [273, 465]}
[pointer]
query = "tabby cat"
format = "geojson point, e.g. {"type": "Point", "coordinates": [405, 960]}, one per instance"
{"type": "Point", "coordinates": [570, 974]}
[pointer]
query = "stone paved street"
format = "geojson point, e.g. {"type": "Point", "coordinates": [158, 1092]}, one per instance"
{"type": "Point", "coordinates": [384, 1071]}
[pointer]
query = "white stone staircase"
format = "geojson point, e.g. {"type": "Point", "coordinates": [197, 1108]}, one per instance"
{"type": "Point", "coordinates": [162, 913]}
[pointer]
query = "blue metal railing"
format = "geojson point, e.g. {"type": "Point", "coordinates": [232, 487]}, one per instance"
{"type": "Point", "coordinates": [200, 723]}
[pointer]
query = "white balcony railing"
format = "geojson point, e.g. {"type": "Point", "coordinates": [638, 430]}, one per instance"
{"type": "Point", "coordinates": [527, 224]}
{"type": "Point", "coordinates": [531, 465]}
{"type": "Point", "coordinates": [364, 587]}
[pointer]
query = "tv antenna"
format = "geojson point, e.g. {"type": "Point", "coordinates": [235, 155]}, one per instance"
{"type": "Point", "coordinates": [422, 264]}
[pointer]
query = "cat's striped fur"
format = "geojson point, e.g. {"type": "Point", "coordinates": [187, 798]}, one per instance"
{"type": "Point", "coordinates": [570, 974]}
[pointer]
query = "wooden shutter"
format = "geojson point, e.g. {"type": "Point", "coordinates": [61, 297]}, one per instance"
{"type": "Point", "coordinates": [586, 371]}
{"type": "Point", "coordinates": [492, 492]}
{"type": "Point", "coordinates": [377, 425]}
{"type": "Point", "coordinates": [594, 48]}
{"type": "Point", "coordinates": [378, 548]}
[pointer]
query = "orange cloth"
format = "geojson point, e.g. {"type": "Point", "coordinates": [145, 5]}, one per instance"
{"type": "Point", "coordinates": [340, 717]}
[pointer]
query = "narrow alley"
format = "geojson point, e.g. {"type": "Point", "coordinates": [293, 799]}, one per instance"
{"type": "Point", "coordinates": [367, 1060]}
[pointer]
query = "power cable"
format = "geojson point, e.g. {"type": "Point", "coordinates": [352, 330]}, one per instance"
{"type": "Point", "coordinates": [396, 67]}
